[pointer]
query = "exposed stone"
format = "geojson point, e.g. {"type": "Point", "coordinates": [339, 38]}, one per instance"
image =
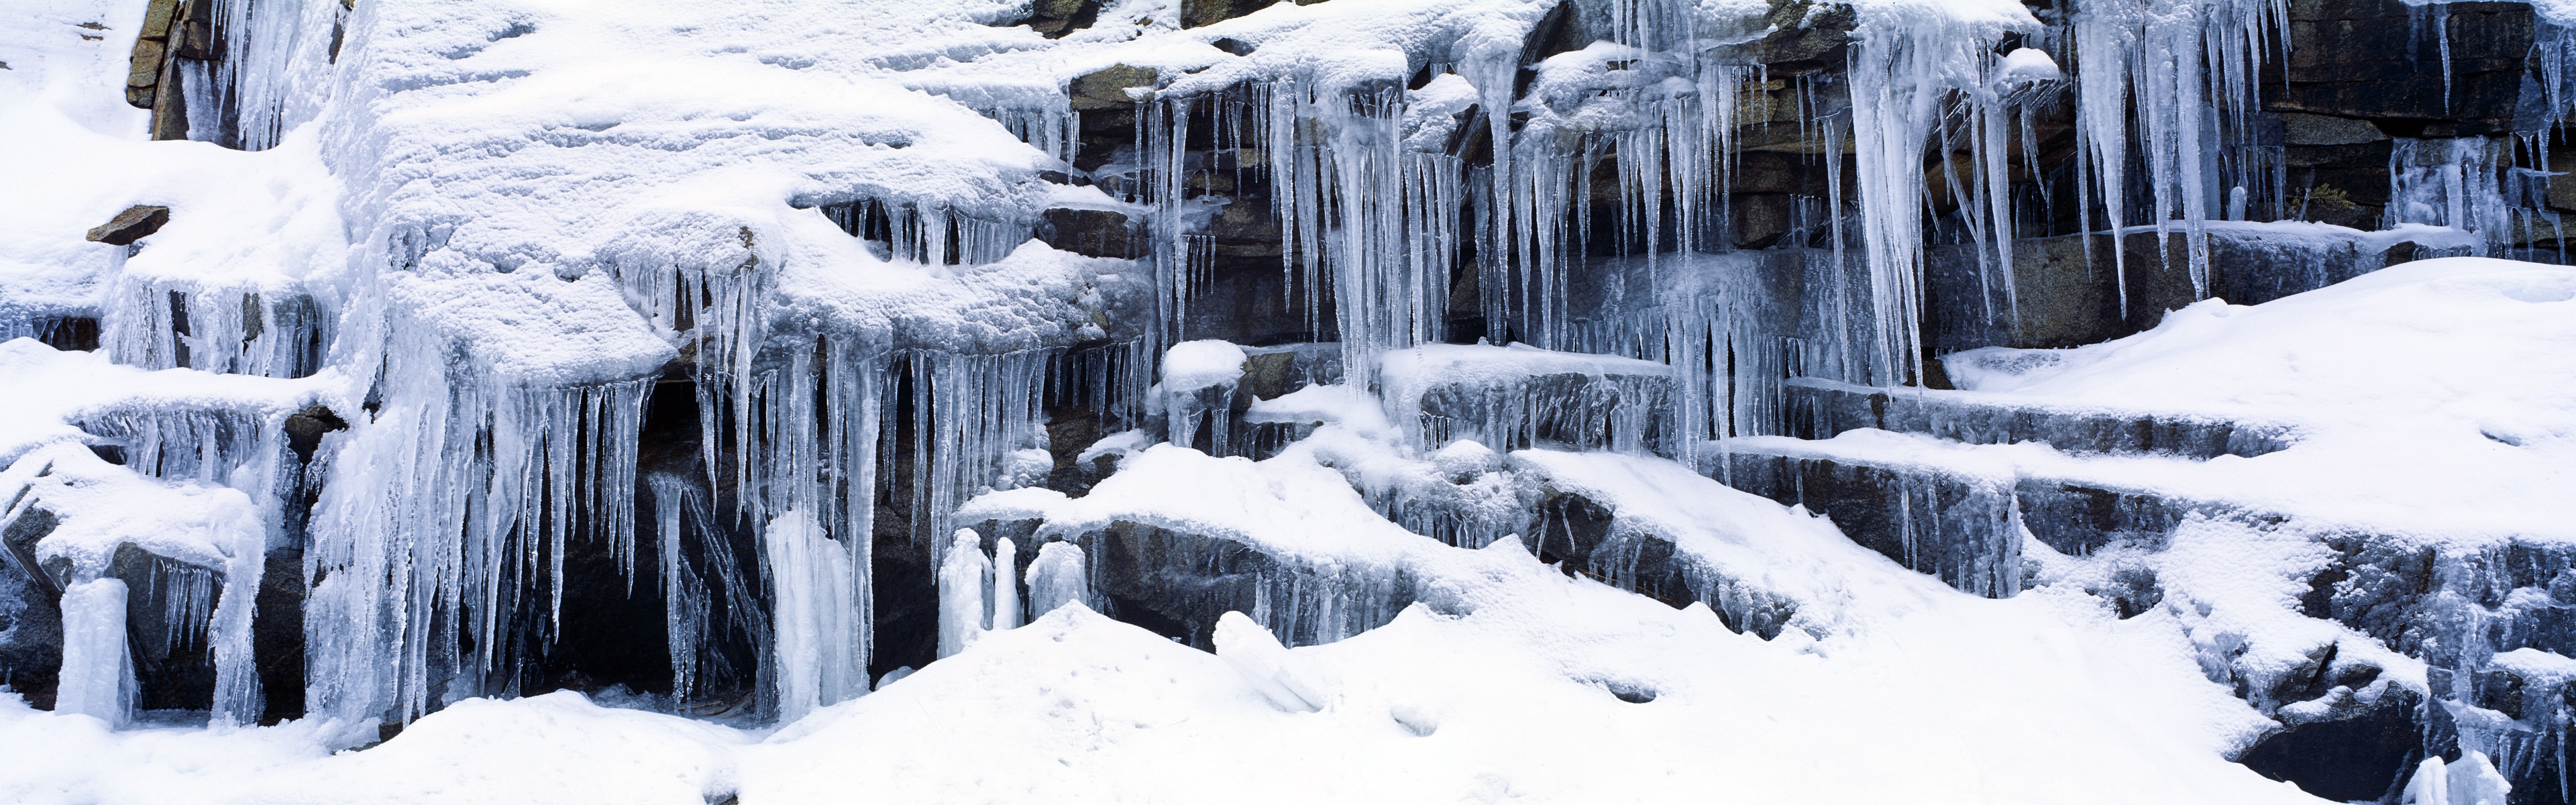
{"type": "Point", "coordinates": [132, 225]}
{"type": "Point", "coordinates": [196, 37]}
{"type": "Point", "coordinates": [144, 70]}
{"type": "Point", "coordinates": [1055, 18]}
{"type": "Point", "coordinates": [1195, 13]}
{"type": "Point", "coordinates": [2380, 60]}
{"type": "Point", "coordinates": [1107, 89]}
{"type": "Point", "coordinates": [2562, 187]}
{"type": "Point", "coordinates": [2358, 759]}
{"type": "Point", "coordinates": [1269, 372]}
{"type": "Point", "coordinates": [158, 18]}
{"type": "Point", "coordinates": [1761, 218]}
{"type": "Point", "coordinates": [2305, 129]}
{"type": "Point", "coordinates": [2062, 296]}
{"type": "Point", "coordinates": [1805, 38]}
{"type": "Point", "coordinates": [1092, 233]}
{"type": "Point", "coordinates": [31, 630]}
{"type": "Point", "coordinates": [304, 430]}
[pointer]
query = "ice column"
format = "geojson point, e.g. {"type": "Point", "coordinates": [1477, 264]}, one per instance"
{"type": "Point", "coordinates": [2471, 780]}
{"type": "Point", "coordinates": [962, 576]}
{"type": "Point", "coordinates": [98, 673]}
{"type": "Point", "coordinates": [1057, 578]}
{"type": "Point", "coordinates": [1006, 585]}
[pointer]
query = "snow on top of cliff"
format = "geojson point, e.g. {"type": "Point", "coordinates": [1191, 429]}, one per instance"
{"type": "Point", "coordinates": [2433, 397]}
{"type": "Point", "coordinates": [1788, 554]}
{"type": "Point", "coordinates": [101, 506]}
{"type": "Point", "coordinates": [561, 138]}
{"type": "Point", "coordinates": [532, 327]}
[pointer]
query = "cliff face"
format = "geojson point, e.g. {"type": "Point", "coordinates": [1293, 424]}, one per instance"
{"type": "Point", "coordinates": [742, 357]}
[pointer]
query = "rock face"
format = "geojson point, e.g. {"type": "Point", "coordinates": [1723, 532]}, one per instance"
{"type": "Point", "coordinates": [1091, 233]}
{"type": "Point", "coordinates": [2369, 60]}
{"type": "Point", "coordinates": [31, 620]}
{"type": "Point", "coordinates": [1823, 409]}
{"type": "Point", "coordinates": [2058, 296]}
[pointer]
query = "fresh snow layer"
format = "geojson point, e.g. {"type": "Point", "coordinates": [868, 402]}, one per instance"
{"type": "Point", "coordinates": [2048, 697]}
{"type": "Point", "coordinates": [2043, 699]}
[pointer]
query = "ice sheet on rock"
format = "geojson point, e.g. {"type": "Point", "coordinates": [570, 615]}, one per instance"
{"type": "Point", "coordinates": [1518, 396]}
{"type": "Point", "coordinates": [1033, 297]}
{"type": "Point", "coordinates": [1948, 513]}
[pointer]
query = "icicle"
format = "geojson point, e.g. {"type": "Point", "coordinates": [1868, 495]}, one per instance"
{"type": "Point", "coordinates": [962, 576]}
{"type": "Point", "coordinates": [2453, 182]}
{"type": "Point", "coordinates": [2189, 70]}
{"type": "Point", "coordinates": [1899, 77]}
{"type": "Point", "coordinates": [98, 672]}
{"type": "Point", "coordinates": [1006, 585]}
{"type": "Point", "coordinates": [970, 413]}
{"type": "Point", "coordinates": [1057, 578]}
{"type": "Point", "coordinates": [273, 61]}
{"type": "Point", "coordinates": [1376, 223]}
